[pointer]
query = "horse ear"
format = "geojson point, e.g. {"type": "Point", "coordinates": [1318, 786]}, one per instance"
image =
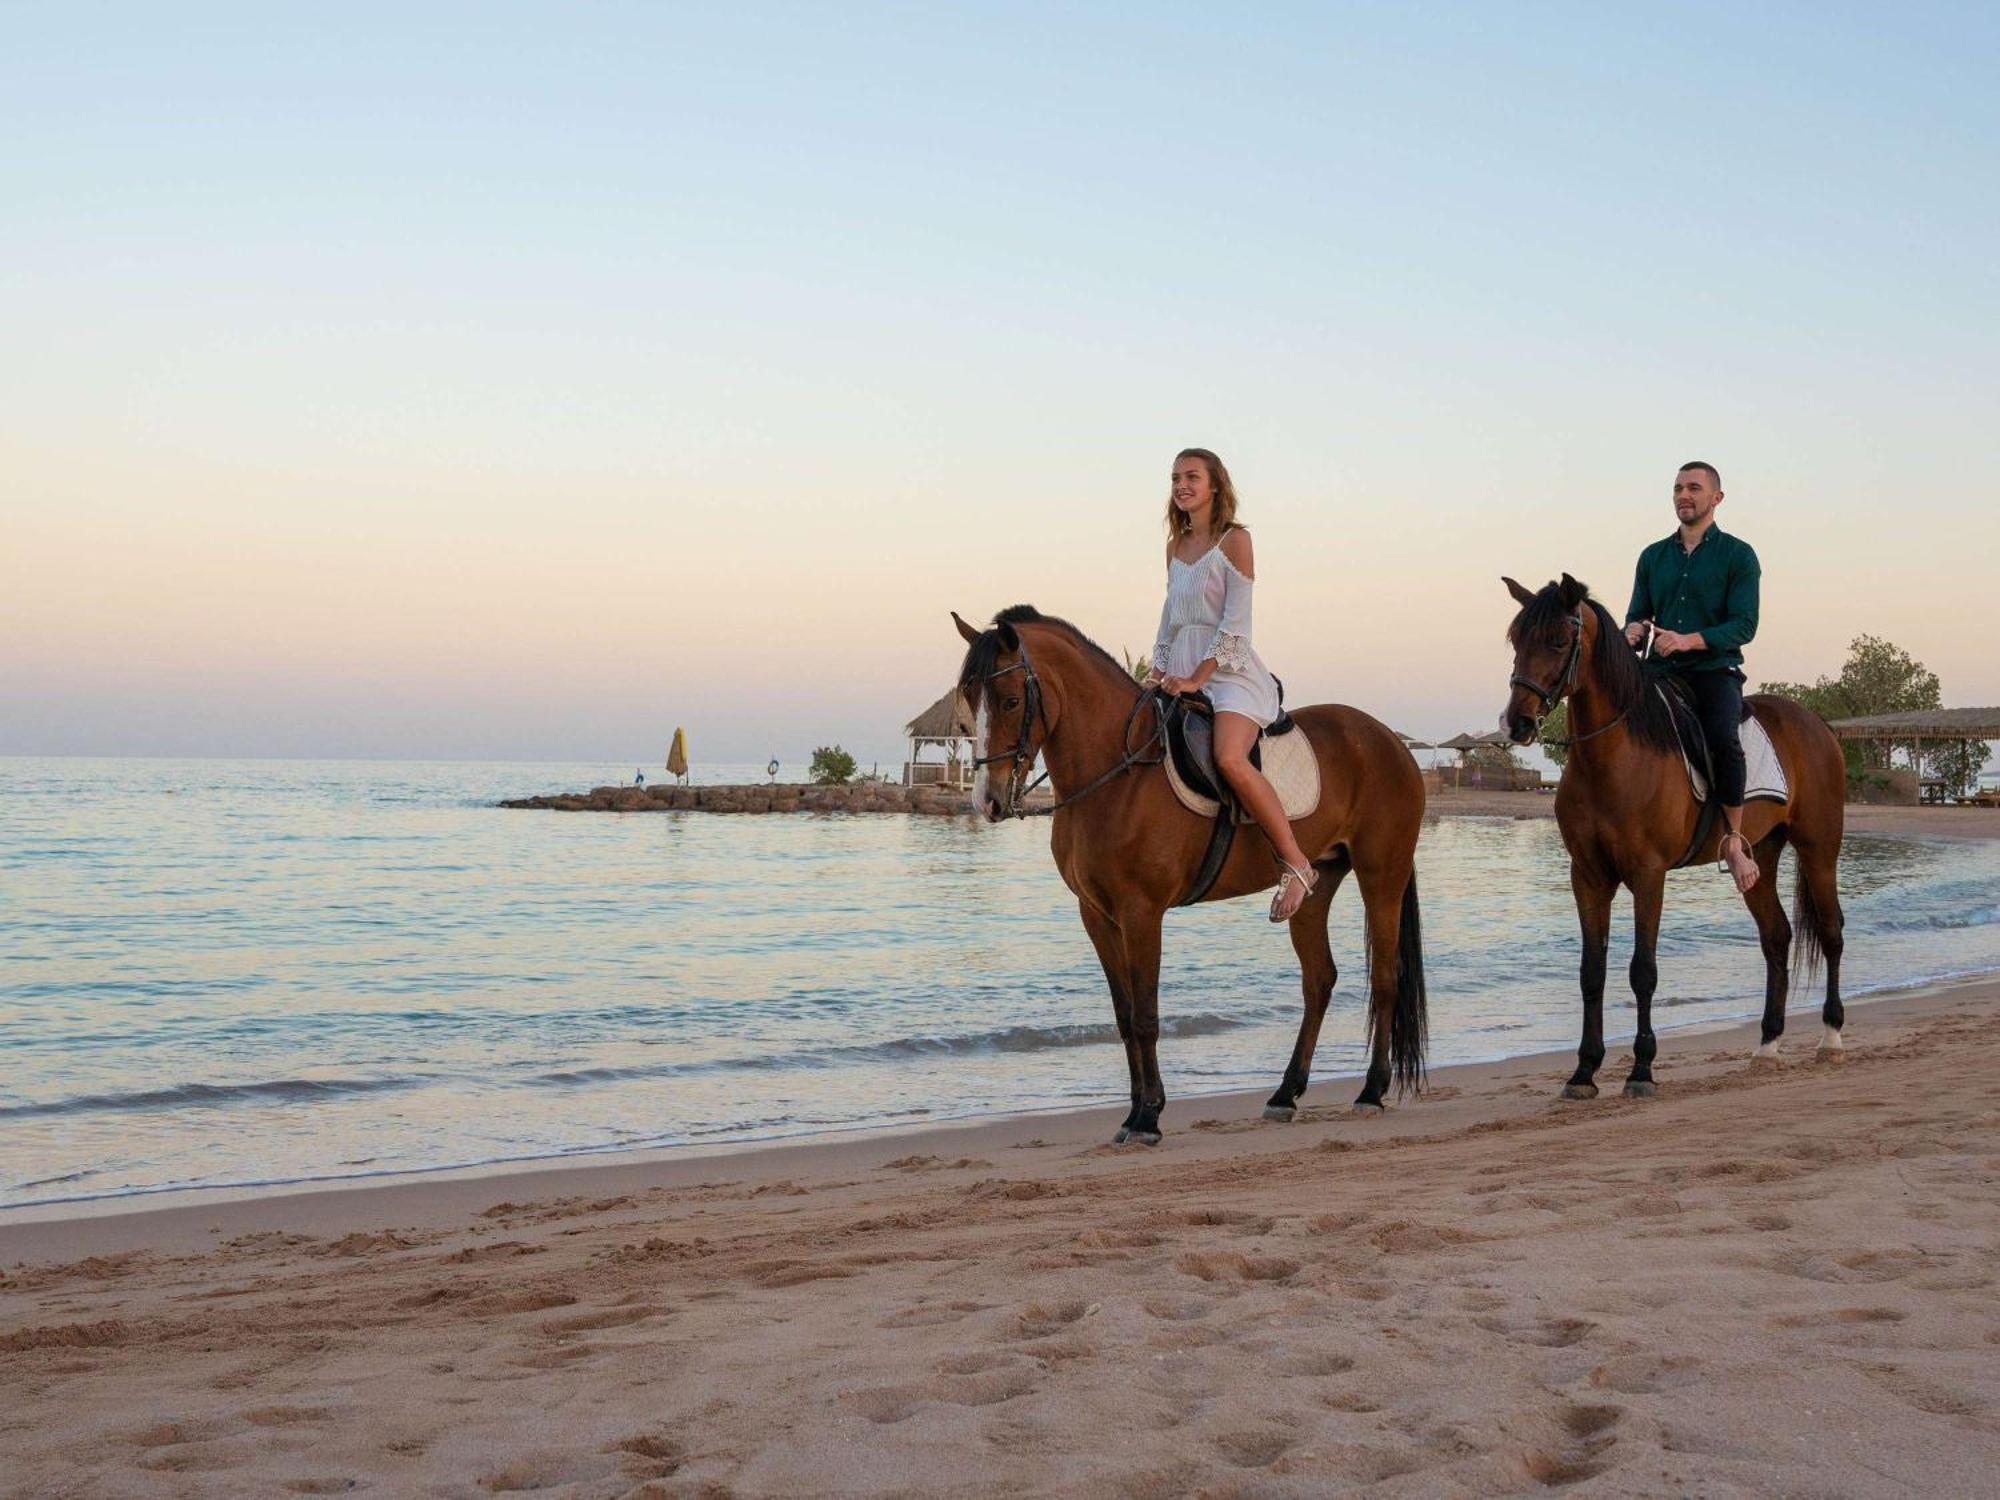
{"type": "Point", "coordinates": [964, 629]}
{"type": "Point", "coordinates": [1573, 593]}
{"type": "Point", "coordinates": [1521, 595]}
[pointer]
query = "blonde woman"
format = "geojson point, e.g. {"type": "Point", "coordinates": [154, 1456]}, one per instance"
{"type": "Point", "coordinates": [1204, 646]}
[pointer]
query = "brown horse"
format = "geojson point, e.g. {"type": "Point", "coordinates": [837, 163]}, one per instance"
{"type": "Point", "coordinates": [1627, 816]}
{"type": "Point", "coordinates": [1127, 848]}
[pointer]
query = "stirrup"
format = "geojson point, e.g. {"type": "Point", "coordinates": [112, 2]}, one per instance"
{"type": "Point", "coordinates": [1304, 878]}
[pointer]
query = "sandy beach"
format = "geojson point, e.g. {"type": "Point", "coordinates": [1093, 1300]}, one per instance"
{"type": "Point", "coordinates": [1769, 1280]}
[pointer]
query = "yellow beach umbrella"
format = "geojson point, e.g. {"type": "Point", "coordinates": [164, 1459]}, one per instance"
{"type": "Point", "coordinates": [677, 756]}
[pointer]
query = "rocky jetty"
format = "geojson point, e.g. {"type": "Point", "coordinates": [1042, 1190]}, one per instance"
{"type": "Point", "coordinates": [860, 797]}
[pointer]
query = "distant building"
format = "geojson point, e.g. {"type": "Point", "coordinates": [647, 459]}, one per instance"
{"type": "Point", "coordinates": [945, 726]}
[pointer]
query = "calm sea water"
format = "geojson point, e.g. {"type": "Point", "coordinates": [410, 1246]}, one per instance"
{"type": "Point", "coordinates": [234, 972]}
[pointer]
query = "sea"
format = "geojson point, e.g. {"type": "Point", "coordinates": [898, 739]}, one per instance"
{"type": "Point", "coordinates": [234, 973]}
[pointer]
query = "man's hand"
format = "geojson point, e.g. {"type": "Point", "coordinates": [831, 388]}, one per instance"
{"type": "Point", "coordinates": [1673, 642]}
{"type": "Point", "coordinates": [1635, 634]}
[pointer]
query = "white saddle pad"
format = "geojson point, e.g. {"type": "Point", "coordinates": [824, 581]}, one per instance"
{"type": "Point", "coordinates": [1289, 765]}
{"type": "Point", "coordinates": [1764, 774]}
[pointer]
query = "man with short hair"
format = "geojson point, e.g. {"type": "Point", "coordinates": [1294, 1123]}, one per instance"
{"type": "Point", "coordinates": [1698, 590]}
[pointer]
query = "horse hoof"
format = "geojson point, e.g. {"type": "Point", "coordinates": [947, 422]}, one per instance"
{"type": "Point", "coordinates": [1284, 1114]}
{"type": "Point", "coordinates": [1834, 1055]}
{"type": "Point", "coordinates": [1579, 1091]}
{"type": "Point", "coordinates": [1637, 1089]}
{"type": "Point", "coordinates": [1143, 1137]}
{"type": "Point", "coordinates": [1365, 1110]}
{"type": "Point", "coordinates": [1124, 1135]}
{"type": "Point", "coordinates": [1762, 1059]}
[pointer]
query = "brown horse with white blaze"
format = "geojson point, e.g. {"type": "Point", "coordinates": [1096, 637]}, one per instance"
{"type": "Point", "coordinates": [1628, 815]}
{"type": "Point", "coordinates": [1127, 848]}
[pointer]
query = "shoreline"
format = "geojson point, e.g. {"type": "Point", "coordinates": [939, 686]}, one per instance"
{"type": "Point", "coordinates": [124, 1220]}
{"type": "Point", "coordinates": [1768, 1279]}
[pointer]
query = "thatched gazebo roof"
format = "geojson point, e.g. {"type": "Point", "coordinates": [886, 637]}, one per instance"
{"type": "Point", "coordinates": [946, 719]}
{"type": "Point", "coordinates": [1462, 742]}
{"type": "Point", "coordinates": [1923, 724]}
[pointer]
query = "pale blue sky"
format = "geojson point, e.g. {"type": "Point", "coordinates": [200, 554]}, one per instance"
{"type": "Point", "coordinates": [524, 380]}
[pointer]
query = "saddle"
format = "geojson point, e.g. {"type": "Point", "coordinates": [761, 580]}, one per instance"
{"type": "Point", "coordinates": [1282, 753]}
{"type": "Point", "coordinates": [1764, 778]}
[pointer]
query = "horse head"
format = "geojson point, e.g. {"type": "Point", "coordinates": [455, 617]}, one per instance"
{"type": "Point", "coordinates": [1010, 721]}
{"type": "Point", "coordinates": [1551, 639]}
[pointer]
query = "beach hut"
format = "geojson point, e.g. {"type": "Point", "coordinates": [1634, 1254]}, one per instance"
{"type": "Point", "coordinates": [946, 725]}
{"type": "Point", "coordinates": [1474, 775]}
{"type": "Point", "coordinates": [677, 755]}
{"type": "Point", "coordinates": [1915, 729]}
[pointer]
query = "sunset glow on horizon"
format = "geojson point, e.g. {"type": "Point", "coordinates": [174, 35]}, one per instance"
{"type": "Point", "coordinates": [504, 383]}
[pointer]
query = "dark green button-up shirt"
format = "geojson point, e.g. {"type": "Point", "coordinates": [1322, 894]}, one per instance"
{"type": "Point", "coordinates": [1712, 589]}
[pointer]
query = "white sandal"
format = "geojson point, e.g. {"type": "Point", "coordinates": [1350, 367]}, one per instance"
{"type": "Point", "coordinates": [1306, 883]}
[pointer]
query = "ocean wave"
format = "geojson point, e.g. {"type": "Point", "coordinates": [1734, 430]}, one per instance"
{"type": "Point", "coordinates": [197, 1095]}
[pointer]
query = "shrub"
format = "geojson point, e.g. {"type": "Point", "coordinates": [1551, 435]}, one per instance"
{"type": "Point", "coordinates": [832, 766]}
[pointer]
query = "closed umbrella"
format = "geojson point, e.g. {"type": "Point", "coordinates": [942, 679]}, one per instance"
{"type": "Point", "coordinates": [677, 755]}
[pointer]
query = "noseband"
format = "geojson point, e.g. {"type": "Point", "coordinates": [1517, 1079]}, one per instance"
{"type": "Point", "coordinates": [1023, 757]}
{"type": "Point", "coordinates": [1565, 684]}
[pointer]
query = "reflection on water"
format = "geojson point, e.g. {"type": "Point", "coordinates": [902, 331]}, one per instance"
{"type": "Point", "coordinates": [250, 971]}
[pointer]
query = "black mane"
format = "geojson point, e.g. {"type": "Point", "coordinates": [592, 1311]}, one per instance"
{"type": "Point", "coordinates": [1616, 671]}
{"type": "Point", "coordinates": [983, 655]}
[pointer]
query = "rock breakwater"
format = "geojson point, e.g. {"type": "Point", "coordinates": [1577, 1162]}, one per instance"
{"type": "Point", "coordinates": [784, 797]}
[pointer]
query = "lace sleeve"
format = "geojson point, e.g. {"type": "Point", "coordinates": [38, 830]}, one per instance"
{"type": "Point", "coordinates": [1232, 636]}
{"type": "Point", "coordinates": [1232, 651]}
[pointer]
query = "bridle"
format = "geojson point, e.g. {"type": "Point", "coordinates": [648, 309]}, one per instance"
{"type": "Point", "coordinates": [1565, 685]}
{"type": "Point", "coordinates": [1023, 758]}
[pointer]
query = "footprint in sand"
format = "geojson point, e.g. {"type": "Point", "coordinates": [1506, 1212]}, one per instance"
{"type": "Point", "coordinates": [1322, 1363]}
{"type": "Point", "coordinates": [930, 1315]}
{"type": "Point", "coordinates": [1544, 1333]}
{"type": "Point", "coordinates": [1252, 1449]}
{"type": "Point", "coordinates": [650, 1455]}
{"type": "Point", "coordinates": [1231, 1265]}
{"type": "Point", "coordinates": [1038, 1320]}
{"type": "Point", "coordinates": [545, 1471]}
{"type": "Point", "coordinates": [1921, 1394]}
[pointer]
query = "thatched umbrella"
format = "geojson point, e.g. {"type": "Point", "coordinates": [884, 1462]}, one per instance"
{"type": "Point", "coordinates": [946, 723]}
{"type": "Point", "coordinates": [677, 754]}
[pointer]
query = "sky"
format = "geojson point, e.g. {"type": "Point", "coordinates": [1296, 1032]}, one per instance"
{"type": "Point", "coordinates": [522, 381]}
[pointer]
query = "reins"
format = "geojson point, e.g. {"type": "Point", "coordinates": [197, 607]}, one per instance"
{"type": "Point", "coordinates": [1565, 685]}
{"type": "Point", "coordinates": [1023, 757]}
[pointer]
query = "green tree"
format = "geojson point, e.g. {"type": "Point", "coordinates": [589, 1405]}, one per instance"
{"type": "Point", "coordinates": [1135, 666]}
{"type": "Point", "coordinates": [832, 766]}
{"type": "Point", "coordinates": [1880, 677]}
{"type": "Point", "coordinates": [1555, 734]}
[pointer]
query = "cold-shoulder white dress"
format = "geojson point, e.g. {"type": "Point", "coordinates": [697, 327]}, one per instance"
{"type": "Point", "coordinates": [1207, 613]}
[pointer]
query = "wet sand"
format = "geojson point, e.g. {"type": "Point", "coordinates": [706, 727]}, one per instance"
{"type": "Point", "coordinates": [1924, 822]}
{"type": "Point", "coordinates": [1768, 1280]}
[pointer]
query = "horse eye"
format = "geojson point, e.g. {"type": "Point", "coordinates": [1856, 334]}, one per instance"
{"type": "Point", "coordinates": [1011, 704]}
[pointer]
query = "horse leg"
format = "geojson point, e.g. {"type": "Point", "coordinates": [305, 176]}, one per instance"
{"type": "Point", "coordinates": [1649, 889]}
{"type": "Point", "coordinates": [1382, 898]}
{"type": "Point", "coordinates": [1317, 977]}
{"type": "Point", "coordinates": [1111, 955]}
{"type": "Point", "coordinates": [1774, 935]}
{"type": "Point", "coordinates": [1820, 886]}
{"type": "Point", "coordinates": [1593, 912]}
{"type": "Point", "coordinates": [1142, 989]}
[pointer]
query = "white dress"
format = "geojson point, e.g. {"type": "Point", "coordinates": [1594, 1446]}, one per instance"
{"type": "Point", "coordinates": [1207, 613]}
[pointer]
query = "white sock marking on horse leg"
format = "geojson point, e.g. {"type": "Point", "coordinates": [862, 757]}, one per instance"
{"type": "Point", "coordinates": [979, 749]}
{"type": "Point", "coordinates": [1770, 1048]}
{"type": "Point", "coordinates": [1830, 1039]}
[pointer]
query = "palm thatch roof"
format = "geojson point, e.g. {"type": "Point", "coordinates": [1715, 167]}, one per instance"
{"type": "Point", "coordinates": [1472, 741]}
{"type": "Point", "coordinates": [946, 719]}
{"type": "Point", "coordinates": [1926, 723]}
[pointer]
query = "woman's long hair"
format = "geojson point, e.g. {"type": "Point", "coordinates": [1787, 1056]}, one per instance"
{"type": "Point", "coordinates": [1223, 516]}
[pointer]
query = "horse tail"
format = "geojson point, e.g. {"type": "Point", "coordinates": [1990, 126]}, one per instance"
{"type": "Point", "coordinates": [1409, 1020]}
{"type": "Point", "coordinates": [1808, 931]}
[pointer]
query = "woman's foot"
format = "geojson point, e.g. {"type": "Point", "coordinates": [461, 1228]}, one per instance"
{"type": "Point", "coordinates": [1735, 852]}
{"type": "Point", "coordinates": [1293, 888]}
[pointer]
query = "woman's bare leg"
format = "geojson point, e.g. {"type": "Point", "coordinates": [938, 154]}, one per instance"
{"type": "Point", "coordinates": [1234, 735]}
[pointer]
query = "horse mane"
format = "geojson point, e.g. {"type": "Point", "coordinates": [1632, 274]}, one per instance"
{"type": "Point", "coordinates": [983, 655]}
{"type": "Point", "coordinates": [1614, 668]}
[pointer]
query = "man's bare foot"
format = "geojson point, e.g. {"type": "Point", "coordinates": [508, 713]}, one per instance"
{"type": "Point", "coordinates": [1736, 855]}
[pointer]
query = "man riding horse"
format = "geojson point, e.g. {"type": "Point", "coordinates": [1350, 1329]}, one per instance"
{"type": "Point", "coordinates": [1696, 591]}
